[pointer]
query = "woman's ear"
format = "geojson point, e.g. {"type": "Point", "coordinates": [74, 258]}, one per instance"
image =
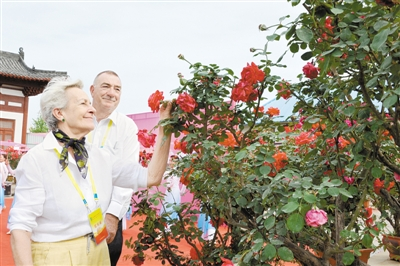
{"type": "Point", "coordinates": [57, 113]}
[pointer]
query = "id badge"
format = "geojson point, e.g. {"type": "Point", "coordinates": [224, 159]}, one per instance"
{"type": "Point", "coordinates": [98, 225]}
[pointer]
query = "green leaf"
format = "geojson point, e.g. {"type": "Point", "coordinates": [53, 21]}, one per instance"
{"type": "Point", "coordinates": [265, 169]}
{"type": "Point", "coordinates": [345, 35]}
{"type": "Point", "coordinates": [379, 40]}
{"type": "Point", "coordinates": [372, 82]}
{"type": "Point", "coordinates": [273, 37]}
{"type": "Point", "coordinates": [241, 201]}
{"type": "Point", "coordinates": [257, 245]}
{"type": "Point", "coordinates": [390, 101]}
{"type": "Point", "coordinates": [269, 222]}
{"type": "Point", "coordinates": [336, 182]}
{"type": "Point", "coordinates": [380, 24]}
{"type": "Point", "coordinates": [376, 172]}
{"type": "Point", "coordinates": [349, 111]}
{"type": "Point", "coordinates": [294, 48]}
{"type": "Point", "coordinates": [290, 32]}
{"type": "Point", "coordinates": [346, 193]}
{"type": "Point", "coordinates": [295, 223]}
{"type": "Point", "coordinates": [367, 240]}
{"type": "Point", "coordinates": [240, 155]}
{"type": "Point", "coordinates": [328, 52]}
{"type": "Point", "coordinates": [333, 191]}
{"type": "Point", "coordinates": [304, 34]}
{"type": "Point", "coordinates": [313, 120]}
{"type": "Point", "coordinates": [248, 257]}
{"type": "Point", "coordinates": [285, 254]}
{"type": "Point", "coordinates": [283, 18]}
{"type": "Point", "coordinates": [268, 253]}
{"type": "Point", "coordinates": [348, 258]}
{"type": "Point", "coordinates": [386, 63]}
{"type": "Point", "coordinates": [310, 198]}
{"type": "Point", "coordinates": [336, 11]}
{"type": "Point", "coordinates": [306, 56]}
{"type": "Point", "coordinates": [290, 207]}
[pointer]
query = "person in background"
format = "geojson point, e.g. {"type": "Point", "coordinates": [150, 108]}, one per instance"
{"type": "Point", "coordinates": [117, 134]}
{"type": "Point", "coordinates": [3, 178]}
{"type": "Point", "coordinates": [172, 193]}
{"type": "Point", "coordinates": [9, 169]}
{"type": "Point", "coordinates": [11, 172]}
{"type": "Point", "coordinates": [65, 184]}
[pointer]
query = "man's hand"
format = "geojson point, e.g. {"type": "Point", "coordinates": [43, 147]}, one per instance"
{"type": "Point", "coordinates": [112, 227]}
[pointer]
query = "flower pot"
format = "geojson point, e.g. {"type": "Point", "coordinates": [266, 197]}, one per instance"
{"type": "Point", "coordinates": [365, 254]}
{"type": "Point", "coordinates": [392, 244]}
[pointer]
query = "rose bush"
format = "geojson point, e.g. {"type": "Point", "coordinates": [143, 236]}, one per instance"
{"type": "Point", "coordinates": [286, 190]}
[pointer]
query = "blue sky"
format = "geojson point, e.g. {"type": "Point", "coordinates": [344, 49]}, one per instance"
{"type": "Point", "coordinates": [140, 40]}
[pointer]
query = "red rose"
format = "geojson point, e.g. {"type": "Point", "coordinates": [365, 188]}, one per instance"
{"type": "Point", "coordinates": [182, 146]}
{"type": "Point", "coordinates": [310, 71]}
{"type": "Point", "coordinates": [328, 24]}
{"type": "Point", "coordinates": [154, 101]}
{"type": "Point", "coordinates": [272, 111]}
{"type": "Point", "coordinates": [185, 176]}
{"type": "Point", "coordinates": [285, 92]}
{"type": "Point", "coordinates": [227, 262]}
{"type": "Point", "coordinates": [186, 102]}
{"type": "Point", "coordinates": [146, 139]}
{"type": "Point", "coordinates": [244, 92]}
{"type": "Point", "coordinates": [252, 74]}
{"type": "Point", "coordinates": [230, 141]}
{"type": "Point", "coordinates": [378, 184]}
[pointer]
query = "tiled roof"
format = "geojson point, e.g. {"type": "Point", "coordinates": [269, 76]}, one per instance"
{"type": "Point", "coordinates": [13, 66]}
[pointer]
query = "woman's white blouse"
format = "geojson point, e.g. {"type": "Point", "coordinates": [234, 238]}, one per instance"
{"type": "Point", "coordinates": [47, 204]}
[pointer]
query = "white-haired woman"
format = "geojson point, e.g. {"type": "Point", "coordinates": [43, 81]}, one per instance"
{"type": "Point", "coordinates": [64, 184]}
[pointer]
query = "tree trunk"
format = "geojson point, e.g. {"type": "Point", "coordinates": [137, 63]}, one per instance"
{"type": "Point", "coordinates": [339, 226]}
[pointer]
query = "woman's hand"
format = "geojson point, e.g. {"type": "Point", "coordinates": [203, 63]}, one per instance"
{"type": "Point", "coordinates": [165, 110]}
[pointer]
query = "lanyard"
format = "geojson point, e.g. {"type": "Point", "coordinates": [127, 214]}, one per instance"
{"type": "Point", "coordinates": [71, 177]}
{"type": "Point", "coordinates": [90, 136]}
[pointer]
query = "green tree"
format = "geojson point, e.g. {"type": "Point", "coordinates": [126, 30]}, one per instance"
{"type": "Point", "coordinates": [39, 125]}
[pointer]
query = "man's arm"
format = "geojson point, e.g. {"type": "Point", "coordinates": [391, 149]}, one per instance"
{"type": "Point", "coordinates": [121, 197]}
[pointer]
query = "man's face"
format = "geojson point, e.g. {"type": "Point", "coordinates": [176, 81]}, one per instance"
{"type": "Point", "coordinates": [106, 92]}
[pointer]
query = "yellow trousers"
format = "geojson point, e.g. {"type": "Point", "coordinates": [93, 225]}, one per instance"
{"type": "Point", "coordinates": [78, 251]}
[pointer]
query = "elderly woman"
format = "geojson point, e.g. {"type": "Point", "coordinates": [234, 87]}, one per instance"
{"type": "Point", "coordinates": [64, 185]}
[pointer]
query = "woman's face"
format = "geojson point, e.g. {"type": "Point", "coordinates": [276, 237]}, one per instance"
{"type": "Point", "coordinates": [78, 114]}
{"type": "Point", "coordinates": [2, 158]}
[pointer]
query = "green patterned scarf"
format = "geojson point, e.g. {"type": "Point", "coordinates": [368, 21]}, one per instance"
{"type": "Point", "coordinates": [80, 152]}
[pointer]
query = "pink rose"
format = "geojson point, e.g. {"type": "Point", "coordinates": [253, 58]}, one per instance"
{"type": "Point", "coordinates": [397, 177]}
{"type": "Point", "coordinates": [316, 217]}
{"type": "Point", "coordinates": [349, 180]}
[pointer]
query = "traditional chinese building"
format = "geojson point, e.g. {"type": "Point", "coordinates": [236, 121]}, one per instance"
{"type": "Point", "coordinates": [17, 83]}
